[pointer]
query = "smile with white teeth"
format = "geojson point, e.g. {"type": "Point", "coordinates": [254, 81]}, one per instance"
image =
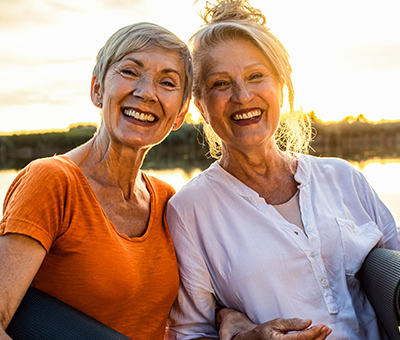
{"type": "Point", "coordinates": [247, 115]}
{"type": "Point", "coordinates": [144, 117]}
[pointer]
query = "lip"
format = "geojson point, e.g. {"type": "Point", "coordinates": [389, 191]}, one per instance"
{"type": "Point", "coordinates": [139, 116]}
{"type": "Point", "coordinates": [247, 116]}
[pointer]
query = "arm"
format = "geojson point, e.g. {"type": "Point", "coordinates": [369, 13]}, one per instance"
{"type": "Point", "coordinates": [21, 257]}
{"type": "Point", "coordinates": [193, 312]}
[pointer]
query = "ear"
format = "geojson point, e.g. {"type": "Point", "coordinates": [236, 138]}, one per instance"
{"type": "Point", "coordinates": [180, 118]}
{"type": "Point", "coordinates": [95, 93]}
{"type": "Point", "coordinates": [200, 108]}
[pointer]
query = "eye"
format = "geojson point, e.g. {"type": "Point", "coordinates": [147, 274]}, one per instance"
{"type": "Point", "coordinates": [168, 84]}
{"type": "Point", "coordinates": [255, 76]}
{"type": "Point", "coordinates": [220, 84]}
{"type": "Point", "coordinates": [129, 72]}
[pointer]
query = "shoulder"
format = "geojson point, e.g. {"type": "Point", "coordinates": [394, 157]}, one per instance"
{"type": "Point", "coordinates": [51, 165]}
{"type": "Point", "coordinates": [326, 164]}
{"type": "Point", "coordinates": [196, 189]}
{"type": "Point", "coordinates": [162, 189]}
{"type": "Point", "coordinates": [45, 171]}
{"type": "Point", "coordinates": [329, 170]}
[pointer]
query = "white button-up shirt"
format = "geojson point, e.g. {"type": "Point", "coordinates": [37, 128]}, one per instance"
{"type": "Point", "coordinates": [234, 250]}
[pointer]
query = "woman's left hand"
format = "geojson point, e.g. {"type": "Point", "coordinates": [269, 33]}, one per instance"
{"type": "Point", "coordinates": [233, 324]}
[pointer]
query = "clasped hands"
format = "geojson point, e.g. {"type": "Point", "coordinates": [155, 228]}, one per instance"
{"type": "Point", "coordinates": [235, 325]}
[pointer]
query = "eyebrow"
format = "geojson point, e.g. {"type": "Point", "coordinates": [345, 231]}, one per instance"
{"type": "Point", "coordinates": [165, 70]}
{"type": "Point", "coordinates": [223, 72]}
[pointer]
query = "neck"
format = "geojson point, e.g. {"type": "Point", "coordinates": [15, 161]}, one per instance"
{"type": "Point", "coordinates": [266, 161]}
{"type": "Point", "coordinates": [110, 165]}
{"type": "Point", "coordinates": [269, 172]}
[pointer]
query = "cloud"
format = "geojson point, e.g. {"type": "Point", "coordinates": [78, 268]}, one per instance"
{"type": "Point", "coordinates": [17, 14]}
{"type": "Point", "coordinates": [29, 97]}
{"type": "Point", "coordinates": [50, 92]}
{"type": "Point", "coordinates": [13, 58]}
{"type": "Point", "coordinates": [121, 3]}
{"type": "Point", "coordinates": [45, 83]}
{"type": "Point", "coordinates": [372, 56]}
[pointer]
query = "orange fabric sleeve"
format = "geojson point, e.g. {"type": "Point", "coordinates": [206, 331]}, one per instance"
{"type": "Point", "coordinates": [127, 283]}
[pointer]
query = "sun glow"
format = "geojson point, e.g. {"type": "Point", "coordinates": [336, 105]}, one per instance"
{"type": "Point", "coordinates": [345, 62]}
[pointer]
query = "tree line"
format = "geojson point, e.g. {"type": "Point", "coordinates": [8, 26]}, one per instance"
{"type": "Point", "coordinates": [352, 138]}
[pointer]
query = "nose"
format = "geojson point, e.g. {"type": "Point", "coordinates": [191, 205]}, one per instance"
{"type": "Point", "coordinates": [144, 90]}
{"type": "Point", "coordinates": [241, 93]}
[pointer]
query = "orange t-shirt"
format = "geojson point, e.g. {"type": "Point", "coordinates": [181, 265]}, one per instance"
{"type": "Point", "coordinates": [127, 283]}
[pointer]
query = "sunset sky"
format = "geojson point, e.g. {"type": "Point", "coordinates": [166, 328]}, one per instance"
{"type": "Point", "coordinates": [345, 54]}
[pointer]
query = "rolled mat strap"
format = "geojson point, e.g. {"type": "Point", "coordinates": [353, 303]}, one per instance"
{"type": "Point", "coordinates": [380, 280]}
{"type": "Point", "coordinates": [43, 317]}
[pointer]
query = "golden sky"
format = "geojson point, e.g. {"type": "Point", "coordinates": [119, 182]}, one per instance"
{"type": "Point", "coordinates": [345, 54]}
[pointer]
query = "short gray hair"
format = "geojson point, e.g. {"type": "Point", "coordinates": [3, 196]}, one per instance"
{"type": "Point", "coordinates": [138, 37]}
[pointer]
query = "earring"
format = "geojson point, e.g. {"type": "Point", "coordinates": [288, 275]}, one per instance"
{"type": "Point", "coordinates": [100, 105]}
{"type": "Point", "coordinates": [174, 125]}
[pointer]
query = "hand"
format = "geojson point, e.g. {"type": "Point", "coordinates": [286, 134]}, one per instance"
{"type": "Point", "coordinates": [233, 324]}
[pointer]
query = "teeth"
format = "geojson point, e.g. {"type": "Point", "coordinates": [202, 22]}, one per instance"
{"type": "Point", "coordinates": [247, 115]}
{"type": "Point", "coordinates": [144, 117]}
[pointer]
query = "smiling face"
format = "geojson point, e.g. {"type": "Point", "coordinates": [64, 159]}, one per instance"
{"type": "Point", "coordinates": [240, 96]}
{"type": "Point", "coordinates": [142, 97]}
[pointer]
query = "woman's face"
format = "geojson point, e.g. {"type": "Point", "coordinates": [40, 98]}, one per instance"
{"type": "Point", "coordinates": [240, 97]}
{"type": "Point", "coordinates": [142, 97]}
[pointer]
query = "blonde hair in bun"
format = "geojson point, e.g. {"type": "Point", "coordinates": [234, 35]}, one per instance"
{"type": "Point", "coordinates": [229, 20]}
{"type": "Point", "coordinates": [232, 11]}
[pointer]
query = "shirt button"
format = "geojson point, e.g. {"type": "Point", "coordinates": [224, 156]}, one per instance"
{"type": "Point", "coordinates": [325, 283]}
{"type": "Point", "coordinates": [309, 229]}
{"type": "Point", "coordinates": [314, 254]}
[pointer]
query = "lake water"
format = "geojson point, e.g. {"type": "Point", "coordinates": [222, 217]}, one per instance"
{"type": "Point", "coordinates": [383, 175]}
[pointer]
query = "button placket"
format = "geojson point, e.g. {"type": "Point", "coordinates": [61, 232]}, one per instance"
{"type": "Point", "coordinates": [314, 251]}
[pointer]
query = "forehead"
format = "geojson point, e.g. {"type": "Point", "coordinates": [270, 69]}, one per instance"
{"type": "Point", "coordinates": [156, 59]}
{"type": "Point", "coordinates": [233, 54]}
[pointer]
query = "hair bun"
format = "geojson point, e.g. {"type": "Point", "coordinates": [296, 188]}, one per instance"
{"type": "Point", "coordinates": [232, 10]}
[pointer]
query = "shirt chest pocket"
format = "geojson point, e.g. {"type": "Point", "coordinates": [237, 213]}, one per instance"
{"type": "Point", "coordinates": [357, 241]}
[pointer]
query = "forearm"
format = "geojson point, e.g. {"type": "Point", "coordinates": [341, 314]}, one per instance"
{"type": "Point", "coordinates": [3, 335]}
{"type": "Point", "coordinates": [20, 259]}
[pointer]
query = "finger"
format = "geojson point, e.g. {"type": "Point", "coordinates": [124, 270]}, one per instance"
{"type": "Point", "coordinates": [327, 333]}
{"type": "Point", "coordinates": [289, 325]}
{"type": "Point", "coordinates": [318, 332]}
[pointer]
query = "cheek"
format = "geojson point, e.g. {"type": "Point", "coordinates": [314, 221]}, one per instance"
{"type": "Point", "coordinates": [216, 102]}
{"type": "Point", "coordinates": [116, 86]}
{"type": "Point", "coordinates": [171, 103]}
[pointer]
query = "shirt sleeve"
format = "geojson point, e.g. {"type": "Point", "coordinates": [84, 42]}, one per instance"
{"type": "Point", "coordinates": [35, 204]}
{"type": "Point", "coordinates": [381, 215]}
{"type": "Point", "coordinates": [193, 313]}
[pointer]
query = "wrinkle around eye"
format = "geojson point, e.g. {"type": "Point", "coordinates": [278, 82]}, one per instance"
{"type": "Point", "coordinates": [128, 73]}
{"type": "Point", "coordinates": [256, 76]}
{"type": "Point", "coordinates": [219, 85]}
{"type": "Point", "coordinates": [169, 85]}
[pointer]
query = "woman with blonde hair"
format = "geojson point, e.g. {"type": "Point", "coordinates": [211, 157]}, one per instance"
{"type": "Point", "coordinates": [88, 227]}
{"type": "Point", "coordinates": [267, 230]}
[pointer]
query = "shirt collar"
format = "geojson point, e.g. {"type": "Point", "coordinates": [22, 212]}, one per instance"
{"type": "Point", "coordinates": [219, 174]}
{"type": "Point", "coordinates": [303, 173]}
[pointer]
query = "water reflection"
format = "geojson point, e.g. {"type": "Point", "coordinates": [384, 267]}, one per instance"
{"type": "Point", "coordinates": [382, 174]}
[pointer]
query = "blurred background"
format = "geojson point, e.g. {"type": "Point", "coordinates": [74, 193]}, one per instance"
{"type": "Point", "coordinates": [345, 56]}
